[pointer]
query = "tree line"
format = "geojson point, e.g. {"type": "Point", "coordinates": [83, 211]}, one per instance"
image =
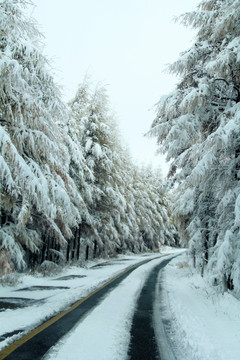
{"type": "Point", "coordinates": [198, 127]}
{"type": "Point", "coordinates": [69, 189]}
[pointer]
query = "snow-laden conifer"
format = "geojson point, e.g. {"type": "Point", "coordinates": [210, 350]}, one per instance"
{"type": "Point", "coordinates": [99, 151]}
{"type": "Point", "coordinates": [126, 209]}
{"type": "Point", "coordinates": [38, 198]}
{"type": "Point", "coordinates": [198, 127]}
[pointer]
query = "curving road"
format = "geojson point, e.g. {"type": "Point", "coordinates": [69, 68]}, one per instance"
{"type": "Point", "coordinates": [144, 344]}
{"type": "Point", "coordinates": [149, 339]}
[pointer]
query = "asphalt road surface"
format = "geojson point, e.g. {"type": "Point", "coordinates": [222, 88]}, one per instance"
{"type": "Point", "coordinates": [143, 346]}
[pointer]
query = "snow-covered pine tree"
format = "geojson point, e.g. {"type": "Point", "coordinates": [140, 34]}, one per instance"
{"type": "Point", "coordinates": [130, 237]}
{"type": "Point", "coordinates": [39, 201]}
{"type": "Point", "coordinates": [198, 127]}
{"type": "Point", "coordinates": [91, 112]}
{"type": "Point", "coordinates": [151, 207]}
{"type": "Point", "coordinates": [124, 203]}
{"type": "Point", "coordinates": [78, 169]}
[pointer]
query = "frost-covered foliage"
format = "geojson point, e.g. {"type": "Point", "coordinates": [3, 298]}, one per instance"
{"type": "Point", "coordinates": [151, 209]}
{"type": "Point", "coordinates": [37, 195]}
{"type": "Point", "coordinates": [123, 202]}
{"type": "Point", "coordinates": [198, 127]}
{"type": "Point", "coordinates": [68, 190]}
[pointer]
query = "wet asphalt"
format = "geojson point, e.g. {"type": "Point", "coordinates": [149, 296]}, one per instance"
{"type": "Point", "coordinates": [143, 345]}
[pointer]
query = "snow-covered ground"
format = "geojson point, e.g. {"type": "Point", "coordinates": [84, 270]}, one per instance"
{"type": "Point", "coordinates": [206, 325]}
{"type": "Point", "coordinates": [105, 333]}
{"type": "Point", "coordinates": [52, 301]}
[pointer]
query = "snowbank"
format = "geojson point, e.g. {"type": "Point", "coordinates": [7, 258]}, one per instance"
{"type": "Point", "coordinates": [206, 323]}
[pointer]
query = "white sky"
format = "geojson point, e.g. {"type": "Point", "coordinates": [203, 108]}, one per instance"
{"type": "Point", "coordinates": [124, 44]}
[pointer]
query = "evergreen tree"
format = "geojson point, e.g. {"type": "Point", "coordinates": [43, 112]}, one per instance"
{"type": "Point", "coordinates": [151, 210]}
{"type": "Point", "coordinates": [198, 127]}
{"type": "Point", "coordinates": [68, 189]}
{"type": "Point", "coordinates": [126, 209]}
{"type": "Point", "coordinates": [39, 201]}
{"type": "Point", "coordinates": [78, 169]}
{"type": "Point", "coordinates": [91, 113]}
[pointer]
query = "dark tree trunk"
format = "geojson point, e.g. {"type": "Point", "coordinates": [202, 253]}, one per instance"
{"type": "Point", "coordinates": [78, 243]}
{"type": "Point", "coordinates": [44, 249]}
{"type": "Point", "coordinates": [68, 250]}
{"type": "Point", "coordinates": [237, 157]}
{"type": "Point", "coordinates": [3, 217]}
{"type": "Point", "coordinates": [74, 242]}
{"type": "Point", "coordinates": [194, 258]}
{"type": "Point", "coordinates": [206, 243]}
{"type": "Point", "coordinates": [87, 252]}
{"type": "Point", "coordinates": [95, 249]}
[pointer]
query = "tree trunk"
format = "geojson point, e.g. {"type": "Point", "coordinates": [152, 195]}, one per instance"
{"type": "Point", "coordinates": [87, 252]}
{"type": "Point", "coordinates": [95, 249]}
{"type": "Point", "coordinates": [78, 243]}
{"type": "Point", "coordinates": [68, 250]}
{"type": "Point", "coordinates": [74, 242]}
{"type": "Point", "coordinates": [194, 258]}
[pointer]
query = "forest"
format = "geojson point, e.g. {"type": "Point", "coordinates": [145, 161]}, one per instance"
{"type": "Point", "coordinates": [69, 189]}
{"type": "Point", "coordinates": [198, 127]}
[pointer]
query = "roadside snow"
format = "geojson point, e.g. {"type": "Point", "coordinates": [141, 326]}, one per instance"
{"type": "Point", "coordinates": [52, 301]}
{"type": "Point", "coordinates": [206, 323]}
{"type": "Point", "coordinates": [105, 333]}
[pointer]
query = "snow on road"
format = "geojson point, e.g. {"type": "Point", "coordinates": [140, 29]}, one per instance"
{"type": "Point", "coordinates": [205, 324]}
{"type": "Point", "coordinates": [52, 301]}
{"type": "Point", "coordinates": [105, 333]}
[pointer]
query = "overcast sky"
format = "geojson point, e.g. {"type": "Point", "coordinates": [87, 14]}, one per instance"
{"type": "Point", "coordinates": [124, 44]}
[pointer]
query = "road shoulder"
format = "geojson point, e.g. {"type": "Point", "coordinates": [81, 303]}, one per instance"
{"type": "Point", "coordinates": [205, 322]}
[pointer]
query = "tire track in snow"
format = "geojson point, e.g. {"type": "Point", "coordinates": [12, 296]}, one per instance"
{"type": "Point", "coordinates": [148, 337]}
{"type": "Point", "coordinates": [37, 342]}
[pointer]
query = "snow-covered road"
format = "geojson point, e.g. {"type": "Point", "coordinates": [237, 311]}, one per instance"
{"type": "Point", "coordinates": [204, 325]}
{"type": "Point", "coordinates": [56, 293]}
{"type": "Point", "coordinates": [105, 333]}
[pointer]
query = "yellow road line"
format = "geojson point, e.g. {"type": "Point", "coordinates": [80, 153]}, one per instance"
{"type": "Point", "coordinates": [8, 350]}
